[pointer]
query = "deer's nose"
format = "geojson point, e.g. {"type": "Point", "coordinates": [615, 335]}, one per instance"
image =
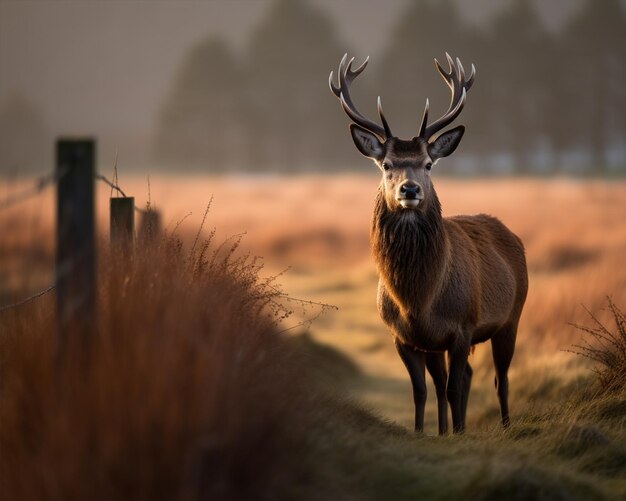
{"type": "Point", "coordinates": [410, 190]}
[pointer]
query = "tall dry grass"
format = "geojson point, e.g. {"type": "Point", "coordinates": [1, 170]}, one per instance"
{"type": "Point", "coordinates": [189, 391]}
{"type": "Point", "coordinates": [574, 232]}
{"type": "Point", "coordinates": [185, 390]}
{"type": "Point", "coordinates": [606, 348]}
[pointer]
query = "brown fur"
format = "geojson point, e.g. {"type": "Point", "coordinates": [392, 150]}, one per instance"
{"type": "Point", "coordinates": [447, 284]}
{"type": "Point", "coordinates": [444, 277]}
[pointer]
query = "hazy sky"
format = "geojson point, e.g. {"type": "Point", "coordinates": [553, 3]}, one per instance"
{"type": "Point", "coordinates": [103, 67]}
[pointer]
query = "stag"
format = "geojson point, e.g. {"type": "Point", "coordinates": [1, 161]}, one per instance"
{"type": "Point", "coordinates": [445, 284]}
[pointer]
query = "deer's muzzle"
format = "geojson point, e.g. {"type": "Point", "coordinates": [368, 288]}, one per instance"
{"type": "Point", "coordinates": [409, 195]}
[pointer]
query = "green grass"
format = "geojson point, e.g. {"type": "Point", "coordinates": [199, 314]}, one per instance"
{"type": "Point", "coordinates": [573, 448]}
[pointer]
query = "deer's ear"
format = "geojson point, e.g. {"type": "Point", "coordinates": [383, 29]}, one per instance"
{"type": "Point", "coordinates": [446, 143]}
{"type": "Point", "coordinates": [367, 142]}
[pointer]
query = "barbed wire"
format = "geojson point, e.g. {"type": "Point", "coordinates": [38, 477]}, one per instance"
{"type": "Point", "coordinates": [28, 299]}
{"type": "Point", "coordinates": [42, 182]}
{"type": "Point", "coordinates": [103, 178]}
{"type": "Point", "coordinates": [116, 187]}
{"type": "Point", "coordinates": [38, 186]}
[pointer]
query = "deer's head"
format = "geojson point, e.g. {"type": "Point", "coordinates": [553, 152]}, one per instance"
{"type": "Point", "coordinates": [405, 164]}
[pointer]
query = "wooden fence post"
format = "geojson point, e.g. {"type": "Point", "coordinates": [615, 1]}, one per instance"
{"type": "Point", "coordinates": [75, 240]}
{"type": "Point", "coordinates": [122, 224]}
{"type": "Point", "coordinates": [150, 227]}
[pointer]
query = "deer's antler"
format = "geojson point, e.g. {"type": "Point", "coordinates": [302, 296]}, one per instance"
{"type": "Point", "coordinates": [346, 77]}
{"type": "Point", "coordinates": [459, 86]}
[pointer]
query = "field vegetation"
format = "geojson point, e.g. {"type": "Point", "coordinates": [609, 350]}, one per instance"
{"type": "Point", "coordinates": [206, 379]}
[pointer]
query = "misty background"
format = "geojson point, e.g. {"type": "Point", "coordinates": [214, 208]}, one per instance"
{"type": "Point", "coordinates": [242, 85]}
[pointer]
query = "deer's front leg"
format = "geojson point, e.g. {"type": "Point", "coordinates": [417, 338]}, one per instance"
{"type": "Point", "coordinates": [414, 360]}
{"type": "Point", "coordinates": [454, 391]}
{"type": "Point", "coordinates": [436, 365]}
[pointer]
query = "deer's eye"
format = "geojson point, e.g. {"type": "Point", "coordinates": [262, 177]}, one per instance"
{"type": "Point", "coordinates": [386, 165]}
{"type": "Point", "coordinates": [429, 165]}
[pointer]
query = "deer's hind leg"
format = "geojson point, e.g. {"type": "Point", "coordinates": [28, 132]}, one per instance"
{"type": "Point", "coordinates": [503, 347]}
{"type": "Point", "coordinates": [414, 360]}
{"type": "Point", "coordinates": [436, 365]}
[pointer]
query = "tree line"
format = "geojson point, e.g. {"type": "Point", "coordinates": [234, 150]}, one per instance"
{"type": "Point", "coordinates": [543, 101]}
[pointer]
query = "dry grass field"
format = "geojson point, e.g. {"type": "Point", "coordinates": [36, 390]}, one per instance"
{"type": "Point", "coordinates": [318, 227]}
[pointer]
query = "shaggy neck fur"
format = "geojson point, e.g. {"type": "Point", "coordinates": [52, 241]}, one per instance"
{"type": "Point", "coordinates": [410, 248]}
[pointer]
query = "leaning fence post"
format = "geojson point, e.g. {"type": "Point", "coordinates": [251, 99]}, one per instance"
{"type": "Point", "coordinates": [122, 224]}
{"type": "Point", "coordinates": [75, 272]}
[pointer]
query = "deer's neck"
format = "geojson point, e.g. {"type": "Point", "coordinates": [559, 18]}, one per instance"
{"type": "Point", "coordinates": [410, 250]}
